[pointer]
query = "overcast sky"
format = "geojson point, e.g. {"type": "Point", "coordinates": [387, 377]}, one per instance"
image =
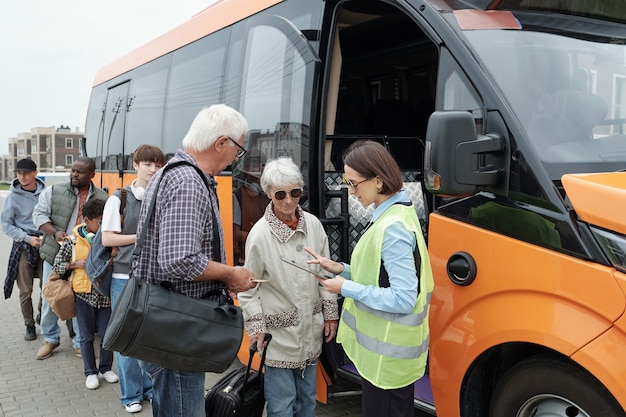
{"type": "Point", "coordinates": [50, 51]}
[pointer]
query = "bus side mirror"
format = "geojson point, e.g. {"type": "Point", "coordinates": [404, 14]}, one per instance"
{"type": "Point", "coordinates": [454, 158]}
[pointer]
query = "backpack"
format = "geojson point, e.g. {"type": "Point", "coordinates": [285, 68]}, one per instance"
{"type": "Point", "coordinates": [99, 263]}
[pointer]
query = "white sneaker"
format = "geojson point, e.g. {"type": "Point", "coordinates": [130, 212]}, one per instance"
{"type": "Point", "coordinates": [92, 382]}
{"type": "Point", "coordinates": [110, 377]}
{"type": "Point", "coordinates": [133, 407]}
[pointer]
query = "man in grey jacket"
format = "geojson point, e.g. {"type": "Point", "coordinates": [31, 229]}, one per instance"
{"type": "Point", "coordinates": [17, 223]}
{"type": "Point", "coordinates": [56, 214]}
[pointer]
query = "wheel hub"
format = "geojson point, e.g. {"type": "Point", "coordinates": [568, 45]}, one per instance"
{"type": "Point", "coordinates": [546, 405]}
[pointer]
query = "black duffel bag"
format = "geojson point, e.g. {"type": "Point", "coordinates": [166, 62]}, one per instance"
{"type": "Point", "coordinates": [156, 324]}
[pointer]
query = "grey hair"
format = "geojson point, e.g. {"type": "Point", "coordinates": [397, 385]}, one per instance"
{"type": "Point", "coordinates": [211, 123]}
{"type": "Point", "coordinates": [279, 173]}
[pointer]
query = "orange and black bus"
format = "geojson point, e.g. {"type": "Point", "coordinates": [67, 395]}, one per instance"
{"type": "Point", "coordinates": [507, 119]}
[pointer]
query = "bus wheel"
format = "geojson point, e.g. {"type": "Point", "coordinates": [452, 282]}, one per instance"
{"type": "Point", "coordinates": [543, 386]}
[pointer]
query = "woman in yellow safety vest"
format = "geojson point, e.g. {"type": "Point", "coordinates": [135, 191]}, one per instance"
{"type": "Point", "coordinates": [387, 286]}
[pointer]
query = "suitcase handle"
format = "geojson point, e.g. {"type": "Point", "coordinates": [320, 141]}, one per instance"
{"type": "Point", "coordinates": [253, 348]}
{"type": "Point", "coordinates": [231, 384]}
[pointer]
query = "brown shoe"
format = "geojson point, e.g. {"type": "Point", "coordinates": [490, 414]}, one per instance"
{"type": "Point", "coordinates": [45, 351]}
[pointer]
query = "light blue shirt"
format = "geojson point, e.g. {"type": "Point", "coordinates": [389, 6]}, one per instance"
{"type": "Point", "coordinates": [398, 247]}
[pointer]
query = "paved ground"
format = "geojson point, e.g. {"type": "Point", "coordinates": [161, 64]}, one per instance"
{"type": "Point", "coordinates": [56, 386]}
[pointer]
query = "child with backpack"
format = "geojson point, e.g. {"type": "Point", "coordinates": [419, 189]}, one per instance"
{"type": "Point", "coordinates": [93, 309]}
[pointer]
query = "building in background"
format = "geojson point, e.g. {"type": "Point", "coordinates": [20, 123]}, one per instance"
{"type": "Point", "coordinates": [53, 149]}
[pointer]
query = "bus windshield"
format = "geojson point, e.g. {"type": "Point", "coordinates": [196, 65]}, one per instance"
{"type": "Point", "coordinates": [567, 89]}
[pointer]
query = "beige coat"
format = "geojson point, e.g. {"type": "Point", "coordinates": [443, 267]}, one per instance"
{"type": "Point", "coordinates": [291, 305]}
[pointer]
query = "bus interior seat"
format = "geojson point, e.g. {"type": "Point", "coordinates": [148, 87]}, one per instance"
{"type": "Point", "coordinates": [408, 151]}
{"type": "Point", "coordinates": [581, 79]}
{"type": "Point", "coordinates": [391, 118]}
{"type": "Point", "coordinates": [342, 142]}
{"type": "Point", "coordinates": [350, 113]}
{"type": "Point", "coordinates": [569, 116]}
{"type": "Point", "coordinates": [581, 109]}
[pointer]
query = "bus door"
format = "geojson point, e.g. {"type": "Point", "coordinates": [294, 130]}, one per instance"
{"type": "Point", "coordinates": [110, 140]}
{"type": "Point", "coordinates": [380, 84]}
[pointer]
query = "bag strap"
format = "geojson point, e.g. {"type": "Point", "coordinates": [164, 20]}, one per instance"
{"type": "Point", "coordinates": [71, 275]}
{"type": "Point", "coordinates": [124, 195]}
{"type": "Point", "coordinates": [139, 245]}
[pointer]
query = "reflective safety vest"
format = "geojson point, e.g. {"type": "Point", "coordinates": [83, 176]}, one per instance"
{"type": "Point", "coordinates": [389, 350]}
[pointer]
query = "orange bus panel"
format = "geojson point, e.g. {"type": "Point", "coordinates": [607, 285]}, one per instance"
{"type": "Point", "coordinates": [599, 199]}
{"type": "Point", "coordinates": [556, 301]}
{"type": "Point", "coordinates": [604, 356]}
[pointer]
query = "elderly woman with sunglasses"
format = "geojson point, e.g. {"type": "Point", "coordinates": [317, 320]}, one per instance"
{"type": "Point", "coordinates": [387, 287]}
{"type": "Point", "coordinates": [287, 302]}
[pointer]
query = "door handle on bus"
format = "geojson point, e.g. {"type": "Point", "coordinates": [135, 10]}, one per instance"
{"type": "Point", "coordinates": [461, 268]}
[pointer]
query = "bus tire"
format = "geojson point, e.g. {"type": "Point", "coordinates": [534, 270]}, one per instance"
{"type": "Point", "coordinates": [544, 386]}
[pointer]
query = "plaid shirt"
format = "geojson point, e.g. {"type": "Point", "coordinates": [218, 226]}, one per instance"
{"type": "Point", "coordinates": [32, 254]}
{"type": "Point", "coordinates": [61, 262]}
{"type": "Point", "coordinates": [179, 241]}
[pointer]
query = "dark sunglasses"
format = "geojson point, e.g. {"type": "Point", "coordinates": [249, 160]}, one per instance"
{"type": "Point", "coordinates": [281, 195]}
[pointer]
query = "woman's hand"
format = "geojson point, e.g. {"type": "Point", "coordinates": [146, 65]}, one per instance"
{"type": "Point", "coordinates": [327, 264]}
{"type": "Point", "coordinates": [259, 339]}
{"type": "Point", "coordinates": [332, 285]}
{"type": "Point", "coordinates": [330, 329]}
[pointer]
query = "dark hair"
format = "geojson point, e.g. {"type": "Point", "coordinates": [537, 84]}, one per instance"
{"type": "Point", "coordinates": [89, 163]}
{"type": "Point", "coordinates": [371, 159]}
{"type": "Point", "coordinates": [148, 153]}
{"type": "Point", "coordinates": [93, 208]}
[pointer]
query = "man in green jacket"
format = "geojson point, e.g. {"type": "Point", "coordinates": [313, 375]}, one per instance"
{"type": "Point", "coordinates": [56, 214]}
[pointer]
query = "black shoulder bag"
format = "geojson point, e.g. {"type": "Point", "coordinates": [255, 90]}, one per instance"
{"type": "Point", "coordinates": [156, 324]}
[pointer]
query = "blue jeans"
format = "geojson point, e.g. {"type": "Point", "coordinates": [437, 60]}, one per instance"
{"type": "Point", "coordinates": [50, 329]}
{"type": "Point", "coordinates": [175, 393]}
{"type": "Point", "coordinates": [291, 392]}
{"type": "Point", "coordinates": [93, 320]}
{"type": "Point", "coordinates": [135, 384]}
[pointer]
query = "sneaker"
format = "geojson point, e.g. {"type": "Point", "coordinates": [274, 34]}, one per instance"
{"type": "Point", "coordinates": [110, 377]}
{"type": "Point", "coordinates": [133, 407]}
{"type": "Point", "coordinates": [77, 353]}
{"type": "Point", "coordinates": [30, 333]}
{"type": "Point", "coordinates": [92, 381]}
{"type": "Point", "coordinates": [45, 351]}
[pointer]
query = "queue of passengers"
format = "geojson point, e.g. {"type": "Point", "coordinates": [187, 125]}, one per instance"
{"type": "Point", "coordinates": [389, 274]}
